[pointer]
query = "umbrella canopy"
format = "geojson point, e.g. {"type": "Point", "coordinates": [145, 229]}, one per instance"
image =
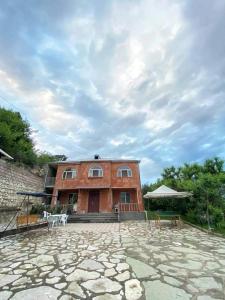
{"type": "Point", "coordinates": [166, 192]}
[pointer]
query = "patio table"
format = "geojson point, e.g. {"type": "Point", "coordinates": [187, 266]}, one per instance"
{"type": "Point", "coordinates": [54, 219]}
{"type": "Point", "coordinates": [168, 215]}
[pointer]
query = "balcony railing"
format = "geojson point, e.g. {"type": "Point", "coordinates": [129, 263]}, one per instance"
{"type": "Point", "coordinates": [50, 181]}
{"type": "Point", "coordinates": [128, 207]}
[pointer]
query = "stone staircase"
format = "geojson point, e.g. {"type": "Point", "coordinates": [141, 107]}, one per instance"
{"type": "Point", "coordinates": [93, 218]}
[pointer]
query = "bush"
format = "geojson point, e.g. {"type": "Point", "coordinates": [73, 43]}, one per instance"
{"type": "Point", "coordinates": [216, 215]}
{"type": "Point", "coordinates": [37, 209]}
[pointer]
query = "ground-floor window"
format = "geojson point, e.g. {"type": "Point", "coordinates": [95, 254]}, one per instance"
{"type": "Point", "coordinates": [125, 197]}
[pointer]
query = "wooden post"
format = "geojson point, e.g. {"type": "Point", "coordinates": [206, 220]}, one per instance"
{"type": "Point", "coordinates": [27, 209]}
{"type": "Point", "coordinates": [111, 198]}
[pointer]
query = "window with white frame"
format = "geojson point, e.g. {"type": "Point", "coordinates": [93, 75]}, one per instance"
{"type": "Point", "coordinates": [69, 174]}
{"type": "Point", "coordinates": [124, 172]}
{"type": "Point", "coordinates": [125, 197]}
{"type": "Point", "coordinates": [95, 172]}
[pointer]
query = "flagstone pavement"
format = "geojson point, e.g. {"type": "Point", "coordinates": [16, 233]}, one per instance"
{"type": "Point", "coordinates": [130, 260]}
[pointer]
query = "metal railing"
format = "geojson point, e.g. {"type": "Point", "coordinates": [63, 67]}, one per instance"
{"type": "Point", "coordinates": [123, 207]}
{"type": "Point", "coordinates": [50, 181]}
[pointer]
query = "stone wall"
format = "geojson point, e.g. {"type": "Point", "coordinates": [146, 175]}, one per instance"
{"type": "Point", "coordinates": [14, 179]}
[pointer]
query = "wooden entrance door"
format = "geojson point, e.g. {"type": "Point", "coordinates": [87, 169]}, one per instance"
{"type": "Point", "coordinates": [93, 201]}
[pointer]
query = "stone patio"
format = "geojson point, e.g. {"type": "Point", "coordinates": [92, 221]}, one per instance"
{"type": "Point", "coordinates": [130, 260]}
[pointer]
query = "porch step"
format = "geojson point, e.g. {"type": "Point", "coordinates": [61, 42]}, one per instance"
{"type": "Point", "coordinates": [93, 218]}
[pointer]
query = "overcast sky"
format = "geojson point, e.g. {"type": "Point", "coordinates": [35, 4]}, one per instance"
{"type": "Point", "coordinates": [131, 79]}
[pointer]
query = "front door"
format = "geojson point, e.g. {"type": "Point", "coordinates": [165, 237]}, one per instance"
{"type": "Point", "coordinates": [93, 201]}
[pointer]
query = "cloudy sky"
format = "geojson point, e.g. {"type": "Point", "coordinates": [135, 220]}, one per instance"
{"type": "Point", "coordinates": [138, 79]}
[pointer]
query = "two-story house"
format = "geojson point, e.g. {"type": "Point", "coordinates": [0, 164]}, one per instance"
{"type": "Point", "coordinates": [96, 185]}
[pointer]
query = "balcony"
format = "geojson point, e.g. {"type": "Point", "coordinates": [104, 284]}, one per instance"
{"type": "Point", "coordinates": [50, 181]}
{"type": "Point", "coordinates": [126, 207]}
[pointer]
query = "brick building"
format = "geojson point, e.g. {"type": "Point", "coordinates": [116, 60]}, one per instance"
{"type": "Point", "coordinates": [96, 185]}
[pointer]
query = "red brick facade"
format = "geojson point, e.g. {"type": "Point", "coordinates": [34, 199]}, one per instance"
{"type": "Point", "coordinates": [105, 190]}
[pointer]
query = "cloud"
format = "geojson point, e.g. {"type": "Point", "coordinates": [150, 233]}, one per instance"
{"type": "Point", "coordinates": [138, 79]}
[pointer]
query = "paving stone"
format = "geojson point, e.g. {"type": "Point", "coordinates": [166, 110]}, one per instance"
{"type": "Point", "coordinates": [19, 271]}
{"type": "Point", "coordinates": [47, 268]}
{"type": "Point", "coordinates": [173, 271]}
{"type": "Point", "coordinates": [66, 258]}
{"type": "Point", "coordinates": [82, 275]}
{"type": "Point", "coordinates": [123, 276]}
{"type": "Point", "coordinates": [190, 265]}
{"type": "Point", "coordinates": [186, 250]}
{"type": "Point", "coordinates": [74, 289]}
{"type": "Point", "coordinates": [5, 295]}
{"type": "Point", "coordinates": [21, 280]}
{"type": "Point", "coordinates": [108, 265]}
{"type": "Point", "coordinates": [157, 290]}
{"type": "Point", "coordinates": [133, 289]}
{"type": "Point", "coordinates": [206, 283]}
{"type": "Point", "coordinates": [55, 273]}
{"type": "Point", "coordinates": [122, 267]}
{"type": "Point", "coordinates": [15, 265]}
{"type": "Point", "coordinates": [110, 272]}
{"type": "Point", "coordinates": [42, 292]}
{"type": "Point", "coordinates": [52, 280]}
{"type": "Point", "coordinates": [67, 297]}
{"type": "Point", "coordinates": [60, 286]}
{"type": "Point", "coordinates": [102, 285]}
{"type": "Point", "coordinates": [6, 279]}
{"type": "Point", "coordinates": [5, 270]}
{"type": "Point", "coordinates": [114, 260]}
{"type": "Point", "coordinates": [90, 264]}
{"type": "Point", "coordinates": [108, 297]}
{"type": "Point", "coordinates": [42, 260]}
{"type": "Point", "coordinates": [69, 270]}
{"type": "Point", "coordinates": [173, 281]}
{"type": "Point", "coordinates": [205, 297]}
{"type": "Point", "coordinates": [141, 269]}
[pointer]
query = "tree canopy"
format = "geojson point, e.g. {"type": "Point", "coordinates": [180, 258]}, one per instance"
{"type": "Point", "coordinates": [206, 181]}
{"type": "Point", "coordinates": [15, 139]}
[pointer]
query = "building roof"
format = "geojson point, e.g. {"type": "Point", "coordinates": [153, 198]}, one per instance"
{"type": "Point", "coordinates": [6, 155]}
{"type": "Point", "coordinates": [94, 161]}
{"type": "Point", "coordinates": [166, 192]}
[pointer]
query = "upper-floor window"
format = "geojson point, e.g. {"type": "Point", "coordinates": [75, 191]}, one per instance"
{"type": "Point", "coordinates": [69, 174]}
{"type": "Point", "coordinates": [95, 172]}
{"type": "Point", "coordinates": [124, 172]}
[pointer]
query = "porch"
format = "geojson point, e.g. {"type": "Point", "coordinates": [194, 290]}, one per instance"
{"type": "Point", "coordinates": [97, 200]}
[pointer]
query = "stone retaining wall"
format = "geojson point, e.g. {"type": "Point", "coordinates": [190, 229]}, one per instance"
{"type": "Point", "coordinates": [14, 179]}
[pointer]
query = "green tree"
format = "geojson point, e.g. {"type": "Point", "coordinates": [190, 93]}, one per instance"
{"type": "Point", "coordinates": [44, 158]}
{"type": "Point", "coordinates": [15, 137]}
{"type": "Point", "coordinates": [206, 182]}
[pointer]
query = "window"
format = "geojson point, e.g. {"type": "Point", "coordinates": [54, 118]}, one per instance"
{"type": "Point", "coordinates": [69, 173]}
{"type": "Point", "coordinates": [95, 172]}
{"type": "Point", "coordinates": [124, 172]}
{"type": "Point", "coordinates": [125, 197]}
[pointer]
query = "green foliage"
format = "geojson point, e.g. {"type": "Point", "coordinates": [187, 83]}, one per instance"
{"type": "Point", "coordinates": [44, 158]}
{"type": "Point", "coordinates": [206, 182]}
{"type": "Point", "coordinates": [15, 139]}
{"type": "Point", "coordinates": [37, 209]}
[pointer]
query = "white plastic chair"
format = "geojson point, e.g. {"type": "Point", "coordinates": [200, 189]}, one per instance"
{"type": "Point", "coordinates": [63, 219]}
{"type": "Point", "coordinates": [52, 221]}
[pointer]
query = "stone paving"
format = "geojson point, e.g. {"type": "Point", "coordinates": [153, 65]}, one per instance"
{"type": "Point", "coordinates": [131, 260]}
